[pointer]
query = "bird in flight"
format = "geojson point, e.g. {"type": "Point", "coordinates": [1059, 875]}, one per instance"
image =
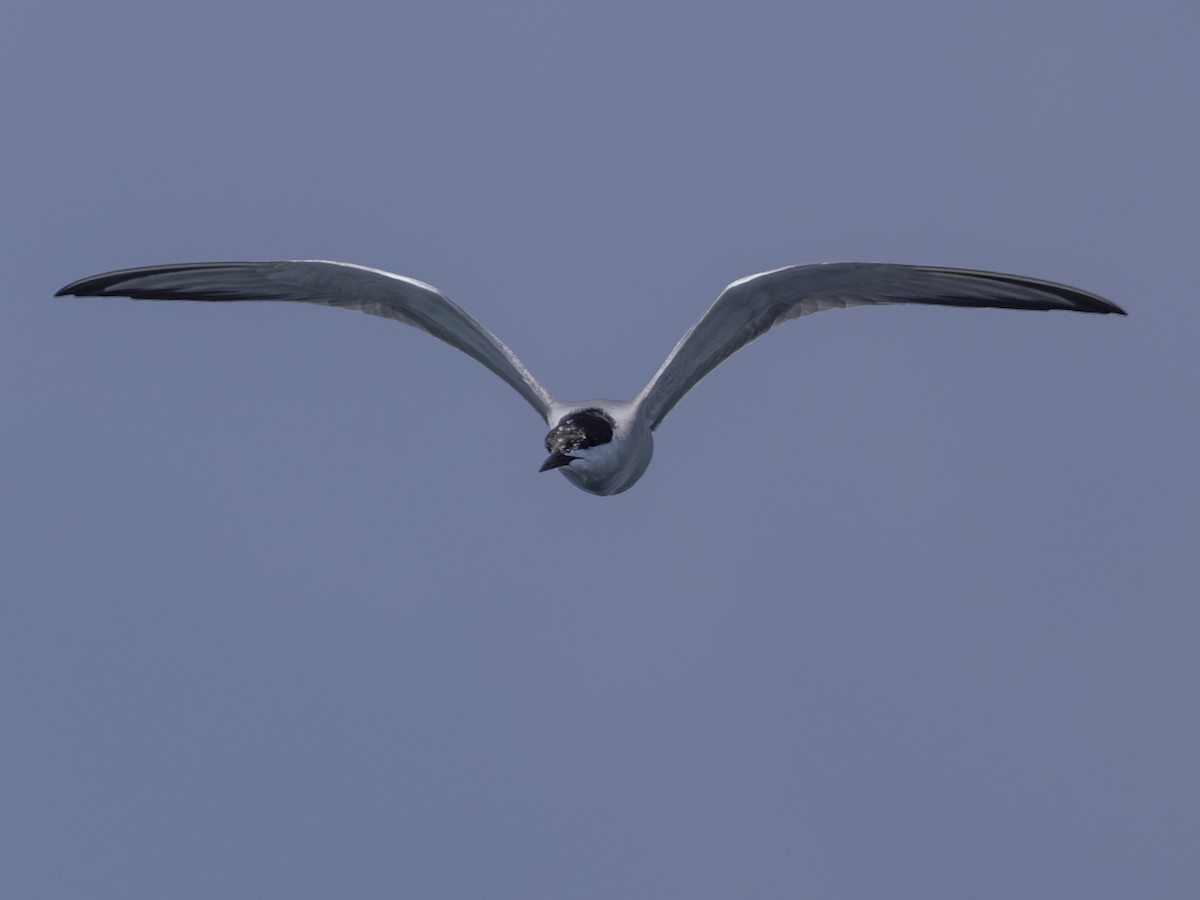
{"type": "Point", "coordinates": [601, 446]}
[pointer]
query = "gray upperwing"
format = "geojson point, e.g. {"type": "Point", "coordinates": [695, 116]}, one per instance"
{"type": "Point", "coordinates": [753, 305]}
{"type": "Point", "coordinates": [330, 284]}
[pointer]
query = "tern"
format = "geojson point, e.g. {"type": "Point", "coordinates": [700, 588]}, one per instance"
{"type": "Point", "coordinates": [601, 446]}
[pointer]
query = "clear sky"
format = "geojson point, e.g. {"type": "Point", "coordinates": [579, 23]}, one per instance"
{"type": "Point", "coordinates": [906, 605]}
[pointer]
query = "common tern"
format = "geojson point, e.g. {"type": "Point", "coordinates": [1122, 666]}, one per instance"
{"type": "Point", "coordinates": [601, 446]}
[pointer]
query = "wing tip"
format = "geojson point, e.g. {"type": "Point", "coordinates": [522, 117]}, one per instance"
{"type": "Point", "coordinates": [1087, 302]}
{"type": "Point", "coordinates": [84, 287]}
{"type": "Point", "coordinates": [1073, 299]}
{"type": "Point", "coordinates": [103, 285]}
{"type": "Point", "coordinates": [94, 285]}
{"type": "Point", "coordinates": [1102, 307]}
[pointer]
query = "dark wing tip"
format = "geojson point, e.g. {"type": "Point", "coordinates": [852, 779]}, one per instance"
{"type": "Point", "coordinates": [100, 285]}
{"type": "Point", "coordinates": [95, 285]}
{"type": "Point", "coordinates": [122, 283]}
{"type": "Point", "coordinates": [86, 287]}
{"type": "Point", "coordinates": [1090, 303]}
{"type": "Point", "coordinates": [1071, 298]}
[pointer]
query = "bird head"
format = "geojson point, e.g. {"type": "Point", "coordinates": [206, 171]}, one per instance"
{"type": "Point", "coordinates": [576, 437]}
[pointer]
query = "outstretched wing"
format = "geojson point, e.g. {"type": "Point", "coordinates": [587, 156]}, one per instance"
{"type": "Point", "coordinates": [330, 284]}
{"type": "Point", "coordinates": [753, 305]}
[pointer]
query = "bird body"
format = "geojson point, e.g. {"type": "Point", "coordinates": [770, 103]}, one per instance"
{"type": "Point", "coordinates": [601, 446]}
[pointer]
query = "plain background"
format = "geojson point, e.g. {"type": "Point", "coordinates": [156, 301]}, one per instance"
{"type": "Point", "coordinates": [906, 605]}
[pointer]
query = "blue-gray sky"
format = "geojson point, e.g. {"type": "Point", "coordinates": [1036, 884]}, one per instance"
{"type": "Point", "coordinates": [906, 605]}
